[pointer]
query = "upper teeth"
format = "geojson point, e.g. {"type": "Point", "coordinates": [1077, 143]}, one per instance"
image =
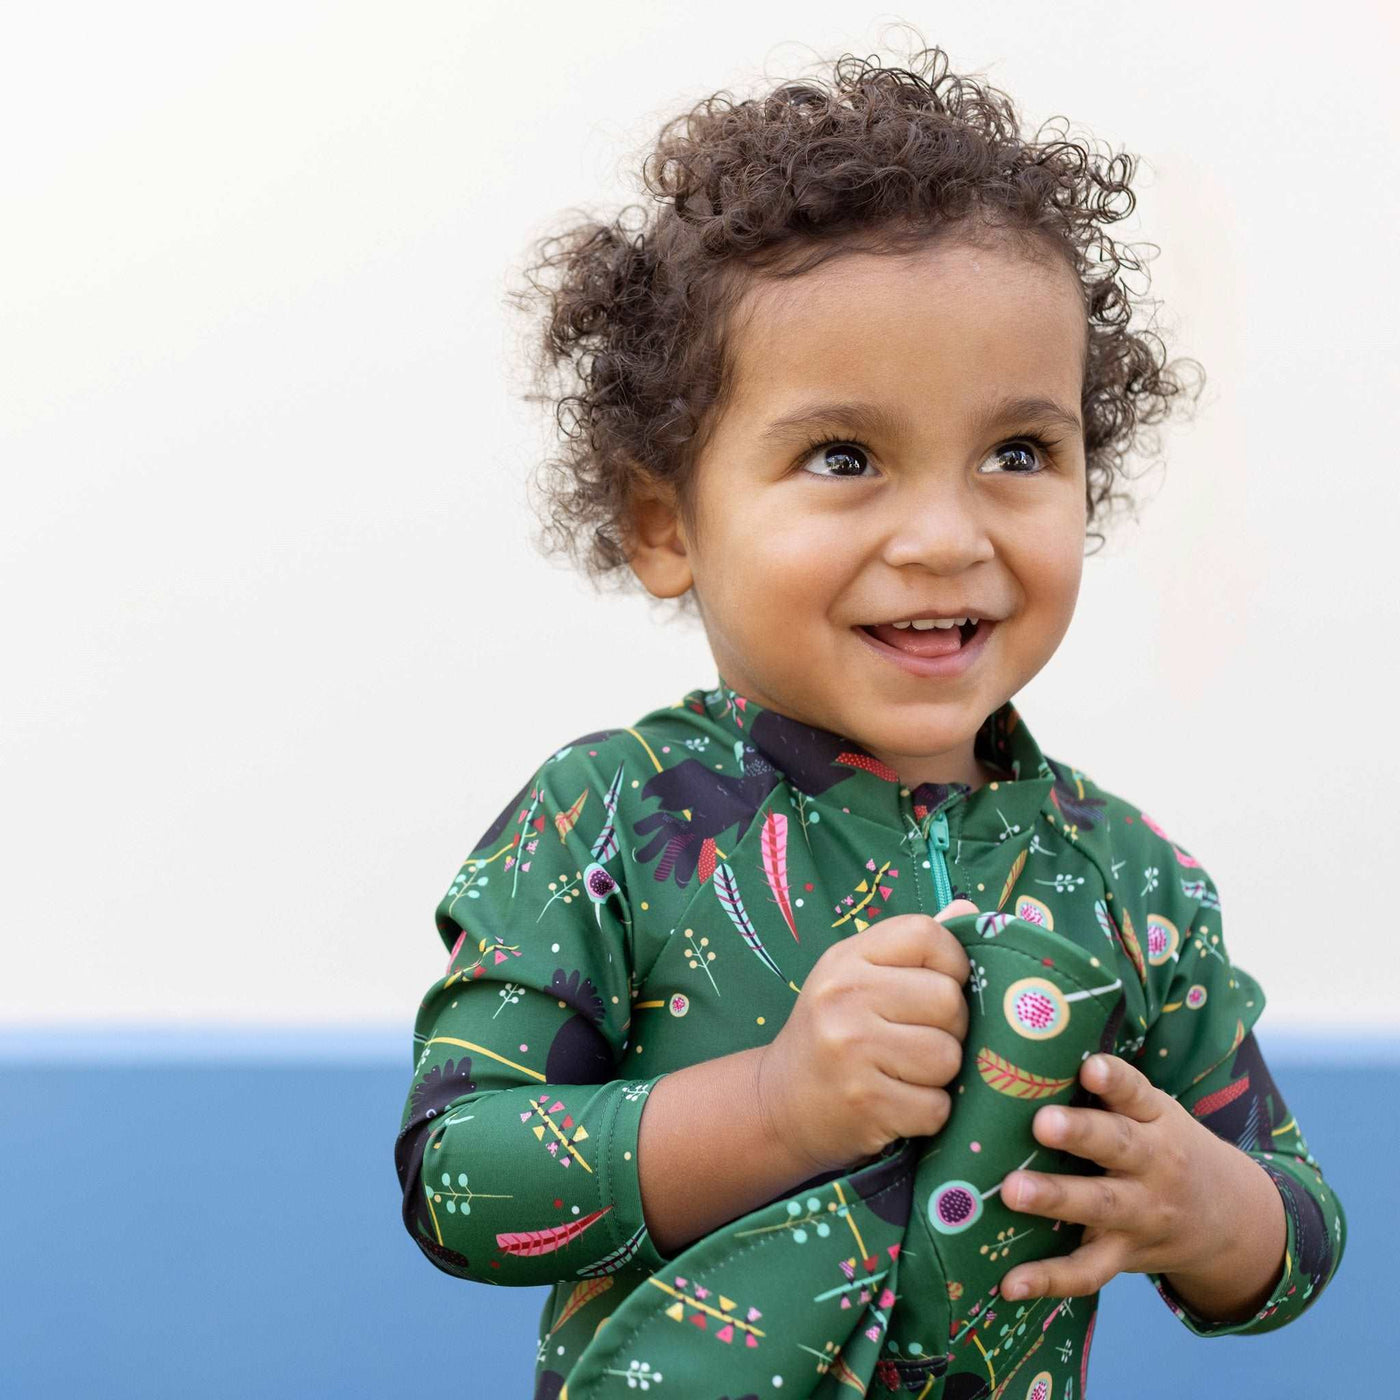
{"type": "Point", "coordinates": [922, 624]}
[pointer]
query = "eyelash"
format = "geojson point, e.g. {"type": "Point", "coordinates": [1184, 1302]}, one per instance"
{"type": "Point", "coordinates": [1043, 446]}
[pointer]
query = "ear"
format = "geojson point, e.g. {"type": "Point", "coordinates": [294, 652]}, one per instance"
{"type": "Point", "coordinates": [656, 543]}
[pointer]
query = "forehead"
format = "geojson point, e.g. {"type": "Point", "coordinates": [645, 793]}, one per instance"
{"type": "Point", "coordinates": [939, 327]}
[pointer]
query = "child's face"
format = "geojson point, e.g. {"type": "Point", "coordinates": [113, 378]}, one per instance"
{"type": "Point", "coordinates": [940, 513]}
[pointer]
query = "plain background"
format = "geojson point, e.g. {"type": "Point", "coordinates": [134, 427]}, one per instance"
{"type": "Point", "coordinates": [276, 645]}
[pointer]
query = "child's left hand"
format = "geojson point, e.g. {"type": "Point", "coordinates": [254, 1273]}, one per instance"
{"type": "Point", "coordinates": [1169, 1204]}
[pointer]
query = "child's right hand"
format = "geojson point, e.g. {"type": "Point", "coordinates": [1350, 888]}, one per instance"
{"type": "Point", "coordinates": [875, 1035]}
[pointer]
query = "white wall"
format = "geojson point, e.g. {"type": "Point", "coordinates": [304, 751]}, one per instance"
{"type": "Point", "coordinates": [275, 644]}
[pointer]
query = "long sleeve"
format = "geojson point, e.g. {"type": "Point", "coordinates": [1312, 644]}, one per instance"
{"type": "Point", "coordinates": [1201, 1049]}
{"type": "Point", "coordinates": [517, 1154]}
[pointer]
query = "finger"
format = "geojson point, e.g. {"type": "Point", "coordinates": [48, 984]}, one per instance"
{"type": "Point", "coordinates": [1101, 1201]}
{"type": "Point", "coordinates": [1111, 1139]}
{"type": "Point", "coordinates": [915, 940]}
{"type": "Point", "coordinates": [919, 996]}
{"type": "Point", "coordinates": [917, 1054]}
{"type": "Point", "coordinates": [1069, 1276]}
{"type": "Point", "coordinates": [915, 1110]}
{"type": "Point", "coordinates": [1123, 1087]}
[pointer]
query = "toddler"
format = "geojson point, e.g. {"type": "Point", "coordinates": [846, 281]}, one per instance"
{"type": "Point", "coordinates": [817, 1033]}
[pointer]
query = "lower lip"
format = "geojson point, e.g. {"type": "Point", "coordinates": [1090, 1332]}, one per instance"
{"type": "Point", "coordinates": [938, 667]}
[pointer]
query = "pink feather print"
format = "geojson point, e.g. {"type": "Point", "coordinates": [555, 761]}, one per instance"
{"type": "Point", "coordinates": [773, 845]}
{"type": "Point", "coordinates": [527, 1242]}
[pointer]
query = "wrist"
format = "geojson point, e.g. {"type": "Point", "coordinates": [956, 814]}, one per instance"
{"type": "Point", "coordinates": [1237, 1272]}
{"type": "Point", "coordinates": [774, 1140]}
{"type": "Point", "coordinates": [778, 1139]}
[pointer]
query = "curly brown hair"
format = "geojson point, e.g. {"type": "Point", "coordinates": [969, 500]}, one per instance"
{"type": "Point", "coordinates": [632, 354]}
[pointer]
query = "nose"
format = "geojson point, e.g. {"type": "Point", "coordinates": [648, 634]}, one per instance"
{"type": "Point", "coordinates": [937, 522]}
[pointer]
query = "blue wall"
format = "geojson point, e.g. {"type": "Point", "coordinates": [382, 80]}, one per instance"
{"type": "Point", "coordinates": [187, 1225]}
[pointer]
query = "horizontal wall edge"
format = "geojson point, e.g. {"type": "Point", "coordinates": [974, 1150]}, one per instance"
{"type": "Point", "coordinates": [387, 1045]}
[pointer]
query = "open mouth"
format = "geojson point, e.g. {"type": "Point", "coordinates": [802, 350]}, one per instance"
{"type": "Point", "coordinates": [932, 641]}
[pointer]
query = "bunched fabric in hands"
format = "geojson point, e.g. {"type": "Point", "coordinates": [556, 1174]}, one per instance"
{"type": "Point", "coordinates": [840, 1245]}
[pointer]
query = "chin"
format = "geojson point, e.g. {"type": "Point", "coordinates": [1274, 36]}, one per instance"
{"type": "Point", "coordinates": [916, 728]}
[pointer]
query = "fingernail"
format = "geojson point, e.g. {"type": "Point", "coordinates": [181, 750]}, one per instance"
{"type": "Point", "coordinates": [1024, 1189]}
{"type": "Point", "coordinates": [954, 913]}
{"type": "Point", "coordinates": [1014, 1291]}
{"type": "Point", "coordinates": [1053, 1120]}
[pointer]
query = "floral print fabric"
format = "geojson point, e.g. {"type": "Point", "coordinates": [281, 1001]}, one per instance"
{"type": "Point", "coordinates": [655, 896]}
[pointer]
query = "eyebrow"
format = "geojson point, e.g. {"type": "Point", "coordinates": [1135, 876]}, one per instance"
{"type": "Point", "coordinates": [874, 420]}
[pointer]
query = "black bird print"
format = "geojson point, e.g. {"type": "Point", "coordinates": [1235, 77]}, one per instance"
{"type": "Point", "coordinates": [442, 1086]}
{"type": "Point", "coordinates": [1084, 812]}
{"type": "Point", "coordinates": [1246, 1112]}
{"type": "Point", "coordinates": [579, 992]}
{"type": "Point", "coordinates": [809, 757]}
{"type": "Point", "coordinates": [716, 803]}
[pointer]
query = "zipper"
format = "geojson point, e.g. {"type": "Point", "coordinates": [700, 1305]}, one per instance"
{"type": "Point", "coordinates": [938, 864]}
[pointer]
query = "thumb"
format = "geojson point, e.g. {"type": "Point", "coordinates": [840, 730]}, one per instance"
{"type": "Point", "coordinates": [958, 906]}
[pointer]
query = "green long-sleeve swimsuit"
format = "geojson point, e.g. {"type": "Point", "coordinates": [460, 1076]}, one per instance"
{"type": "Point", "coordinates": [655, 896]}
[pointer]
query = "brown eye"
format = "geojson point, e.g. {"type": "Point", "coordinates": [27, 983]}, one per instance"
{"type": "Point", "coordinates": [843, 458]}
{"type": "Point", "coordinates": [1029, 452]}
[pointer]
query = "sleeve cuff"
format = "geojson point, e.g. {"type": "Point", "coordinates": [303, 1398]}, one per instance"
{"type": "Point", "coordinates": [619, 1185]}
{"type": "Point", "coordinates": [1278, 1309]}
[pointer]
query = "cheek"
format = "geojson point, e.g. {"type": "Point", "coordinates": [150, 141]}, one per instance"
{"type": "Point", "coordinates": [793, 561]}
{"type": "Point", "coordinates": [1051, 599]}
{"type": "Point", "coordinates": [1063, 572]}
{"type": "Point", "coordinates": [741, 584]}
{"type": "Point", "coordinates": [1047, 554]}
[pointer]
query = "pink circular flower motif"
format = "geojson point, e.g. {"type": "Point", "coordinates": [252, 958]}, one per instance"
{"type": "Point", "coordinates": [1162, 939]}
{"type": "Point", "coordinates": [679, 1004]}
{"type": "Point", "coordinates": [1196, 997]}
{"type": "Point", "coordinates": [1034, 911]}
{"type": "Point", "coordinates": [598, 882]}
{"type": "Point", "coordinates": [1035, 1010]}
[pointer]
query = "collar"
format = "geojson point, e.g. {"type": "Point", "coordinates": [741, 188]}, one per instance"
{"type": "Point", "coordinates": [836, 771]}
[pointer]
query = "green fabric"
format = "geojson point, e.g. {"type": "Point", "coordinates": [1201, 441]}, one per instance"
{"type": "Point", "coordinates": [655, 896]}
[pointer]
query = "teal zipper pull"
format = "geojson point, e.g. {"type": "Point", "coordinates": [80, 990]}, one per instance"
{"type": "Point", "coordinates": [937, 844]}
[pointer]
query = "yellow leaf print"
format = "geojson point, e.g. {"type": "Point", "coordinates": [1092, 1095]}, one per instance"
{"type": "Point", "coordinates": [564, 821]}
